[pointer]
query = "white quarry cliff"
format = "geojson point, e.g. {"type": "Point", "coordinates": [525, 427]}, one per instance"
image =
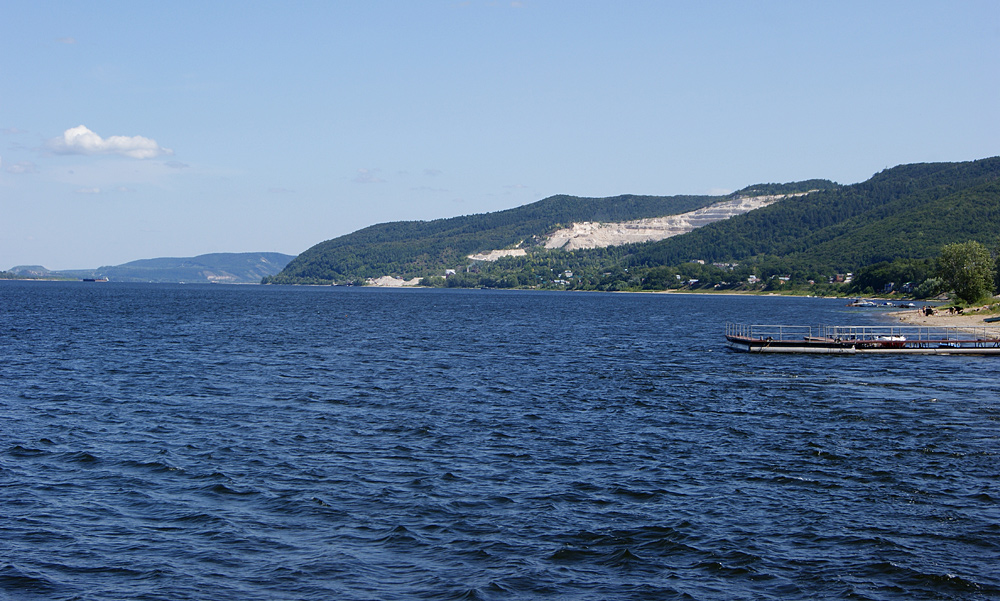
{"type": "Point", "coordinates": [590, 234]}
{"type": "Point", "coordinates": [493, 255]}
{"type": "Point", "coordinates": [388, 281]}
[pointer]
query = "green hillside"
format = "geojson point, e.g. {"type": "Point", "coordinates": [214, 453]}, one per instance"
{"type": "Point", "coordinates": [908, 211]}
{"type": "Point", "coordinates": [918, 231]}
{"type": "Point", "coordinates": [894, 223]}
{"type": "Point", "coordinates": [419, 248]}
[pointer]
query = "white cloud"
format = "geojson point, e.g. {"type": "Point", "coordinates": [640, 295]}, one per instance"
{"type": "Point", "coordinates": [80, 140]}
{"type": "Point", "coordinates": [88, 191]}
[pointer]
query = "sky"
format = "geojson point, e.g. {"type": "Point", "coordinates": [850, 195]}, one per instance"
{"type": "Point", "coordinates": [134, 130]}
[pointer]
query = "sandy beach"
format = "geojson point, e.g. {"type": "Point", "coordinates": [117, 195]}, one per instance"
{"type": "Point", "coordinates": [970, 318]}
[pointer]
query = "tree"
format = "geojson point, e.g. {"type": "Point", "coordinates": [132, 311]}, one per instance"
{"type": "Point", "coordinates": [996, 266]}
{"type": "Point", "coordinates": [929, 287]}
{"type": "Point", "coordinates": [968, 269]}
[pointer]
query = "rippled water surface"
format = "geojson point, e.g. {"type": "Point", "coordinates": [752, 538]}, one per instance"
{"type": "Point", "coordinates": [213, 442]}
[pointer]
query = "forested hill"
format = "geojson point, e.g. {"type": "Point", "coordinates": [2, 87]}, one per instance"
{"type": "Point", "coordinates": [420, 248]}
{"type": "Point", "coordinates": [908, 211]}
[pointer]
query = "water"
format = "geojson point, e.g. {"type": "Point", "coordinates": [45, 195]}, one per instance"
{"type": "Point", "coordinates": [207, 442]}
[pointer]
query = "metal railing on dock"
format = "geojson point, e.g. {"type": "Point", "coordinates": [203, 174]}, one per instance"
{"type": "Point", "coordinates": [913, 335]}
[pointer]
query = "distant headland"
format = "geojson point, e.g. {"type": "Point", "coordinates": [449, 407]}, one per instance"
{"type": "Point", "coordinates": [218, 268]}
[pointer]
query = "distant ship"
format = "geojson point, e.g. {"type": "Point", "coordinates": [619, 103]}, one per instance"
{"type": "Point", "coordinates": [101, 279]}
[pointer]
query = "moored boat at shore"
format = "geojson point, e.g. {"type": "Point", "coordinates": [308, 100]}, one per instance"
{"type": "Point", "coordinates": [850, 340]}
{"type": "Point", "coordinates": [860, 302]}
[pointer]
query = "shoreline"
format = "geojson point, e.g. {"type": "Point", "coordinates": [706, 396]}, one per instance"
{"type": "Point", "coordinates": [916, 317]}
{"type": "Point", "coordinates": [724, 293]}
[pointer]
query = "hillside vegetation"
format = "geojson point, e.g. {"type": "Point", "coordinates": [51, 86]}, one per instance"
{"type": "Point", "coordinates": [419, 248]}
{"type": "Point", "coordinates": [908, 211]}
{"type": "Point", "coordinates": [887, 230]}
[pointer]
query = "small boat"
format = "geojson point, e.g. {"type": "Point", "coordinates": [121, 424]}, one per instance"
{"type": "Point", "coordinates": [851, 340]}
{"type": "Point", "coordinates": [100, 279]}
{"type": "Point", "coordinates": [860, 302]}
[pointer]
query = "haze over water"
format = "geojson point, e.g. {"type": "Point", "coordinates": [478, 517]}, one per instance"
{"type": "Point", "coordinates": [204, 442]}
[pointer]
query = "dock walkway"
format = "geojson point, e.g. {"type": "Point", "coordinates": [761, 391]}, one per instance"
{"type": "Point", "coordinates": [913, 340]}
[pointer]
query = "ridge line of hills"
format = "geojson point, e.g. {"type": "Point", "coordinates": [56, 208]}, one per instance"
{"type": "Point", "coordinates": [408, 249]}
{"type": "Point", "coordinates": [900, 216]}
{"type": "Point", "coordinates": [888, 229]}
{"type": "Point", "coordinates": [226, 268]}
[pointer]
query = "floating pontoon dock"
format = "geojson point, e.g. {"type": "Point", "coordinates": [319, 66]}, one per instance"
{"type": "Point", "coordinates": [850, 340]}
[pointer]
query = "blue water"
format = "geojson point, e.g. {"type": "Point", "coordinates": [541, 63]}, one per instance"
{"type": "Point", "coordinates": [217, 442]}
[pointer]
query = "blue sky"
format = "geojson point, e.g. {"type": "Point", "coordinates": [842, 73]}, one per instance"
{"type": "Point", "coordinates": [132, 130]}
